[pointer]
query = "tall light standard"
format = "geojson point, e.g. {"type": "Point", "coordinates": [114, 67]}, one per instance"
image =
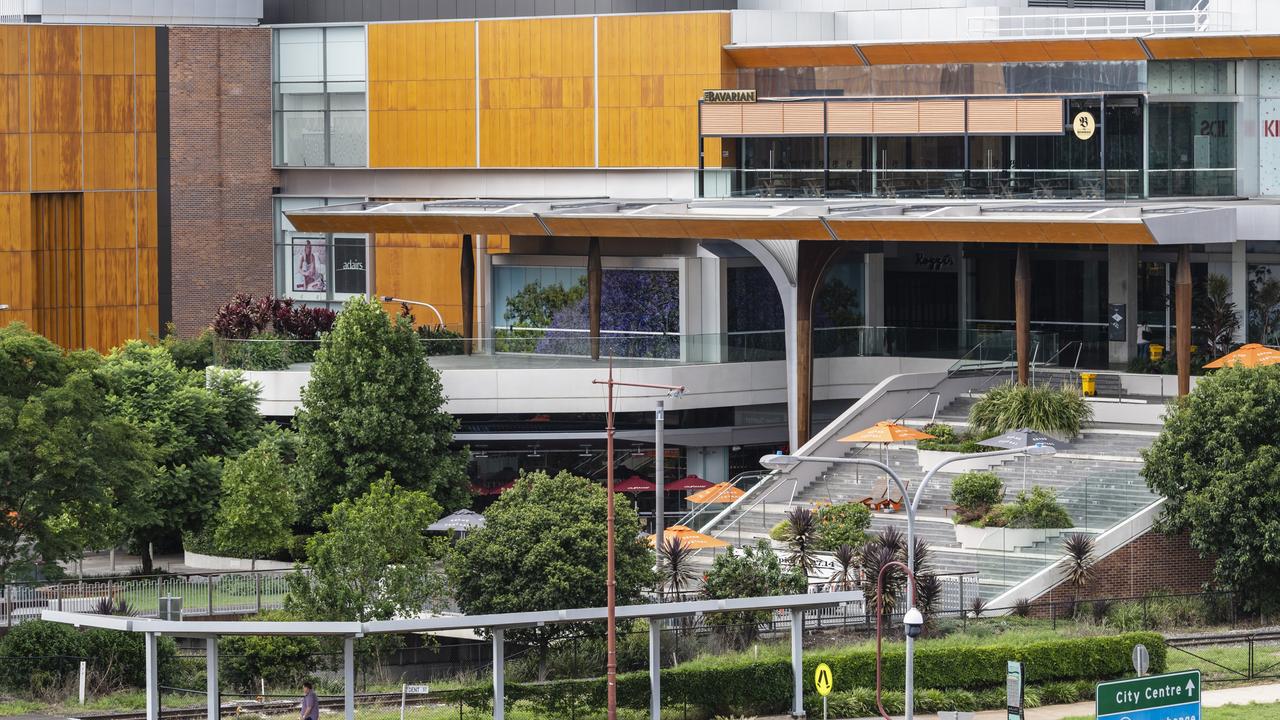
{"type": "Point", "coordinates": [439, 317]}
{"type": "Point", "coordinates": [611, 582]}
{"type": "Point", "coordinates": [787, 463]}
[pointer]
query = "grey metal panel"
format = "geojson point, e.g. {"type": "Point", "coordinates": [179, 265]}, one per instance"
{"type": "Point", "coordinates": [320, 11]}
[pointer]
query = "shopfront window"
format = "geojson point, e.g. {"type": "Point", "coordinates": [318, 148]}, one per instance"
{"type": "Point", "coordinates": [1106, 163]}
{"type": "Point", "coordinates": [953, 79]}
{"type": "Point", "coordinates": [544, 310]}
{"type": "Point", "coordinates": [319, 268]}
{"type": "Point", "coordinates": [320, 114]}
{"type": "Point", "coordinates": [1192, 149]}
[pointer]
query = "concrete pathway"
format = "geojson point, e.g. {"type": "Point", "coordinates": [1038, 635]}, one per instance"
{"type": "Point", "coordinates": [1212, 698]}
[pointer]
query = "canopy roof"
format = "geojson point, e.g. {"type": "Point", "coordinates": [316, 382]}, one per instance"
{"type": "Point", "coordinates": [994, 221]}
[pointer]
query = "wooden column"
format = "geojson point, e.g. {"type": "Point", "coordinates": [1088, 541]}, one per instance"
{"type": "Point", "coordinates": [594, 280]}
{"type": "Point", "coordinates": [1022, 313]}
{"type": "Point", "coordinates": [1182, 322]}
{"type": "Point", "coordinates": [467, 268]}
{"type": "Point", "coordinates": [813, 259]}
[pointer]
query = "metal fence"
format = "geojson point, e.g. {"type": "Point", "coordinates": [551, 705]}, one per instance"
{"type": "Point", "coordinates": [188, 595]}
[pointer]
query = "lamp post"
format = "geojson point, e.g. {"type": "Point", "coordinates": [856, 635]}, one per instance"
{"type": "Point", "coordinates": [787, 463]}
{"type": "Point", "coordinates": [611, 582]}
{"type": "Point", "coordinates": [439, 317]}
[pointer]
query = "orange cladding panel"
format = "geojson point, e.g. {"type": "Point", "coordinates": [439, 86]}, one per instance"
{"type": "Point", "coordinates": [537, 93]}
{"type": "Point", "coordinates": [422, 95]}
{"type": "Point", "coordinates": [653, 69]}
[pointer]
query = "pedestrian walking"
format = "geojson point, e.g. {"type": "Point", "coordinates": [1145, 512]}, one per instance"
{"type": "Point", "coordinates": [310, 708]}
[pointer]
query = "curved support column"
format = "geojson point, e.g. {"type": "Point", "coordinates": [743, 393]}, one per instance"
{"type": "Point", "coordinates": [783, 275]}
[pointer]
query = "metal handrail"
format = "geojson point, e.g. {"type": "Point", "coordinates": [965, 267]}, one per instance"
{"type": "Point", "coordinates": [696, 510]}
{"type": "Point", "coordinates": [1196, 20]}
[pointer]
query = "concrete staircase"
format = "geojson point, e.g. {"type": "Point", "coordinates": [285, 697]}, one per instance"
{"type": "Point", "coordinates": [1097, 478]}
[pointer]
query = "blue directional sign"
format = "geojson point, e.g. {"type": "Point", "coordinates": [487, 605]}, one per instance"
{"type": "Point", "coordinates": [1175, 696]}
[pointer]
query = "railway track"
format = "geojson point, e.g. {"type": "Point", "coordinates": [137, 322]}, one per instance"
{"type": "Point", "coordinates": [276, 707]}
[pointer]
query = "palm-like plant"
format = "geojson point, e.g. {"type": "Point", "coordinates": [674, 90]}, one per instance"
{"type": "Point", "coordinates": [1080, 560]}
{"type": "Point", "coordinates": [846, 574]}
{"type": "Point", "coordinates": [675, 567]}
{"type": "Point", "coordinates": [928, 596]}
{"type": "Point", "coordinates": [802, 539]}
{"type": "Point", "coordinates": [874, 557]}
{"type": "Point", "coordinates": [977, 607]}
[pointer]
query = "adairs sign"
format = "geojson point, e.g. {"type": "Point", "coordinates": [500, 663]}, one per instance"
{"type": "Point", "coordinates": [728, 96]}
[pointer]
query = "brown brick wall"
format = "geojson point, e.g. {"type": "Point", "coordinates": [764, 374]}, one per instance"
{"type": "Point", "coordinates": [221, 175]}
{"type": "Point", "coordinates": [1154, 561]}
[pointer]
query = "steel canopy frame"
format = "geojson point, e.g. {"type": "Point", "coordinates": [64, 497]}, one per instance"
{"type": "Point", "coordinates": [496, 624]}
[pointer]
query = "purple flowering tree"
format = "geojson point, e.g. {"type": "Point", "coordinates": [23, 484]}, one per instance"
{"type": "Point", "coordinates": [643, 306]}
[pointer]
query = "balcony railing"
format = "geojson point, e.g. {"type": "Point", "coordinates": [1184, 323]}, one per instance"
{"type": "Point", "coordinates": [1196, 20]}
{"type": "Point", "coordinates": [546, 348]}
{"type": "Point", "coordinates": [1031, 183]}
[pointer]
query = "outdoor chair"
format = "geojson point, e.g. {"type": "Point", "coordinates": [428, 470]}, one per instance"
{"type": "Point", "coordinates": [876, 498]}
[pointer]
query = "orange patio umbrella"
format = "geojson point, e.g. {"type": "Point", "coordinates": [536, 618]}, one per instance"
{"type": "Point", "coordinates": [1251, 355]}
{"type": "Point", "coordinates": [887, 431]}
{"type": "Point", "coordinates": [883, 433]}
{"type": "Point", "coordinates": [691, 538]}
{"type": "Point", "coordinates": [720, 493]}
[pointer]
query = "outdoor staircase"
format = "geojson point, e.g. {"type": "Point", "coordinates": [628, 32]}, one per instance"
{"type": "Point", "coordinates": [1096, 477]}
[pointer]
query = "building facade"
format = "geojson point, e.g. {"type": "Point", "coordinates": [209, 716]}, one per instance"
{"type": "Point", "coordinates": [151, 166]}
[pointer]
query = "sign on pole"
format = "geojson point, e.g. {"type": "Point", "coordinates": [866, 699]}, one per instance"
{"type": "Point", "coordinates": [1014, 678]}
{"type": "Point", "coordinates": [823, 681]}
{"type": "Point", "coordinates": [1141, 659]}
{"type": "Point", "coordinates": [1175, 696]}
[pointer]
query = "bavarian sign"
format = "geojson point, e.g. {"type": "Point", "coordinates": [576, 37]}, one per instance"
{"type": "Point", "coordinates": [1175, 696]}
{"type": "Point", "coordinates": [728, 96]}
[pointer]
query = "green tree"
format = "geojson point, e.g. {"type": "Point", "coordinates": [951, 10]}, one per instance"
{"type": "Point", "coordinates": [543, 547]}
{"type": "Point", "coordinates": [69, 467]}
{"type": "Point", "coordinates": [193, 420]}
{"type": "Point", "coordinates": [374, 561]}
{"type": "Point", "coordinates": [1217, 461]}
{"type": "Point", "coordinates": [375, 407]}
{"type": "Point", "coordinates": [754, 572]}
{"type": "Point", "coordinates": [536, 305]}
{"type": "Point", "coordinates": [258, 507]}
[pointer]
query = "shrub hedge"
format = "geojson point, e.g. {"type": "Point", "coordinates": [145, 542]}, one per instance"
{"type": "Point", "coordinates": [38, 655]}
{"type": "Point", "coordinates": [950, 677]}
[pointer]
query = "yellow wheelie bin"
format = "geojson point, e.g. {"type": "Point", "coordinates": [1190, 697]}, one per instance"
{"type": "Point", "coordinates": [1089, 384]}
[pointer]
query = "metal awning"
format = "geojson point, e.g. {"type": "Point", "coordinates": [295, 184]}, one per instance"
{"type": "Point", "coordinates": [993, 221]}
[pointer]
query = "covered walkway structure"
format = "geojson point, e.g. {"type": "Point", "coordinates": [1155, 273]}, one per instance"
{"type": "Point", "coordinates": [494, 625]}
{"type": "Point", "coordinates": [795, 240]}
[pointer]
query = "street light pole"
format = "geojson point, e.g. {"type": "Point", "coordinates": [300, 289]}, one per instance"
{"type": "Point", "coordinates": [659, 471]}
{"type": "Point", "coordinates": [786, 463]}
{"type": "Point", "coordinates": [611, 581]}
{"type": "Point", "coordinates": [439, 317]}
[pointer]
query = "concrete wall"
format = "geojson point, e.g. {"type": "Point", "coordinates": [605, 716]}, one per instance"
{"type": "Point", "coordinates": [569, 390]}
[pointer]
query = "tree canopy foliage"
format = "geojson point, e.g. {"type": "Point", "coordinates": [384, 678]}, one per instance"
{"type": "Point", "coordinates": [258, 506]}
{"type": "Point", "coordinates": [543, 547]}
{"type": "Point", "coordinates": [375, 407]}
{"type": "Point", "coordinates": [374, 560]}
{"type": "Point", "coordinates": [70, 468]}
{"type": "Point", "coordinates": [192, 420]}
{"type": "Point", "coordinates": [1218, 463]}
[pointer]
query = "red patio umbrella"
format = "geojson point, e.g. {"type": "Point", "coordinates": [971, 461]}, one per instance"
{"type": "Point", "coordinates": [492, 489]}
{"type": "Point", "coordinates": [688, 482]}
{"type": "Point", "coordinates": [634, 484]}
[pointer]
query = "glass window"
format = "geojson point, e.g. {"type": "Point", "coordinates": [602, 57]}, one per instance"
{"type": "Point", "coordinates": [1192, 149]}
{"type": "Point", "coordinates": [319, 268]}
{"type": "Point", "coordinates": [320, 97]}
{"type": "Point", "coordinates": [1191, 77]}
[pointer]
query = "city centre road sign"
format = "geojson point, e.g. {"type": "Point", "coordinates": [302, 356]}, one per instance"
{"type": "Point", "coordinates": [1156, 697]}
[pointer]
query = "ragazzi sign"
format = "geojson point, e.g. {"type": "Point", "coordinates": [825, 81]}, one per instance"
{"type": "Point", "coordinates": [728, 96]}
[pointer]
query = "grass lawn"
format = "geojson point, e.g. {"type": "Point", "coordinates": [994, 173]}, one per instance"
{"type": "Point", "coordinates": [1230, 712]}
